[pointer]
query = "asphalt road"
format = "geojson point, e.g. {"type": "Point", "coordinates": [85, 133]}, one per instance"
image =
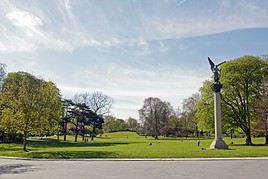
{"type": "Point", "coordinates": [215, 169]}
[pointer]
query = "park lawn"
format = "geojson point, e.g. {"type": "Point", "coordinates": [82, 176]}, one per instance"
{"type": "Point", "coordinates": [131, 145]}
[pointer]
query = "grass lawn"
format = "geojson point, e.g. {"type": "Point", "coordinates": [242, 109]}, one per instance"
{"type": "Point", "coordinates": [130, 145]}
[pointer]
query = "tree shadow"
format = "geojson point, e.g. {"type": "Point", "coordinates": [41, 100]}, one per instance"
{"type": "Point", "coordinates": [15, 169]}
{"type": "Point", "coordinates": [10, 148]}
{"type": "Point", "coordinates": [55, 143]}
{"type": "Point", "coordinates": [184, 139]}
{"type": "Point", "coordinates": [74, 154]}
{"type": "Point", "coordinates": [253, 145]}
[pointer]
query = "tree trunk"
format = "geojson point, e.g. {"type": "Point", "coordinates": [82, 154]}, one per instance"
{"type": "Point", "coordinates": [266, 138]}
{"type": "Point", "coordinates": [75, 137]}
{"type": "Point", "coordinates": [248, 138]}
{"type": "Point", "coordinates": [64, 131]}
{"type": "Point", "coordinates": [76, 133]}
{"type": "Point", "coordinates": [93, 133]}
{"type": "Point", "coordinates": [25, 141]}
{"type": "Point", "coordinates": [156, 137]}
{"type": "Point", "coordinates": [266, 130]}
{"type": "Point", "coordinates": [196, 132]}
{"type": "Point", "coordinates": [58, 135]}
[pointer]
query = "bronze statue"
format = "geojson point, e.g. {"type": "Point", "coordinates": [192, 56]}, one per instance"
{"type": "Point", "coordinates": [215, 70]}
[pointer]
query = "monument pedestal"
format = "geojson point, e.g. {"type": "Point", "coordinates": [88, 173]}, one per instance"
{"type": "Point", "coordinates": [218, 144]}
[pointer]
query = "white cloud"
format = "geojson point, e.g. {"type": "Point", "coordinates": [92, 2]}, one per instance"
{"type": "Point", "coordinates": [130, 86]}
{"type": "Point", "coordinates": [181, 2]}
{"type": "Point", "coordinates": [24, 19]}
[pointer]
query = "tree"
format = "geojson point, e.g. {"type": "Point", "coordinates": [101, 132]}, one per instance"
{"type": "Point", "coordinates": [132, 124]}
{"type": "Point", "coordinates": [205, 110]}
{"type": "Point", "coordinates": [27, 103]}
{"type": "Point", "coordinates": [109, 124]}
{"type": "Point", "coordinates": [154, 114]}
{"type": "Point", "coordinates": [112, 124]}
{"type": "Point", "coordinates": [2, 77]}
{"type": "Point", "coordinates": [67, 116]}
{"type": "Point", "coordinates": [242, 79]}
{"type": "Point", "coordinates": [52, 108]}
{"type": "Point", "coordinates": [261, 104]}
{"type": "Point", "coordinates": [98, 102]}
{"type": "Point", "coordinates": [2, 74]}
{"type": "Point", "coordinates": [80, 116]}
{"type": "Point", "coordinates": [190, 108]}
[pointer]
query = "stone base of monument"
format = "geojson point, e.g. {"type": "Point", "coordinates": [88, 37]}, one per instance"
{"type": "Point", "coordinates": [218, 144]}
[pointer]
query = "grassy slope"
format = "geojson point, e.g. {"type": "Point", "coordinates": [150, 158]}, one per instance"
{"type": "Point", "coordinates": [130, 145]}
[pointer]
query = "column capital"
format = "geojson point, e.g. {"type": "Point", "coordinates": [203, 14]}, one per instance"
{"type": "Point", "coordinates": [217, 87]}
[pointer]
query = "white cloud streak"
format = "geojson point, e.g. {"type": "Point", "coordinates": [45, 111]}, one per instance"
{"type": "Point", "coordinates": [34, 33]}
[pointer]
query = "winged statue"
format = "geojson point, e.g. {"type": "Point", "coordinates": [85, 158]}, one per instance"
{"type": "Point", "coordinates": [215, 69]}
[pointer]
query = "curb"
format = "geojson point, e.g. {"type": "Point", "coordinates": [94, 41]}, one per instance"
{"type": "Point", "coordinates": [139, 159]}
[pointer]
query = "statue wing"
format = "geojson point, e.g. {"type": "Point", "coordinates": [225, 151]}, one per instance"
{"type": "Point", "coordinates": [212, 65]}
{"type": "Point", "coordinates": [221, 63]}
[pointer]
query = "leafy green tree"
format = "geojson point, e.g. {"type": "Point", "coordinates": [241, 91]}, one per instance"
{"type": "Point", "coordinates": [29, 105]}
{"type": "Point", "coordinates": [205, 110]}
{"type": "Point", "coordinates": [81, 117]}
{"type": "Point", "coordinates": [52, 108]}
{"type": "Point", "coordinates": [112, 124]}
{"type": "Point", "coordinates": [109, 124]}
{"type": "Point", "coordinates": [242, 79]}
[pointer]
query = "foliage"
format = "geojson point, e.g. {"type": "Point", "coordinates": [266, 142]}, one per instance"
{"type": "Point", "coordinates": [112, 124]}
{"type": "Point", "coordinates": [29, 105]}
{"type": "Point", "coordinates": [205, 109]}
{"type": "Point", "coordinates": [97, 102]}
{"type": "Point", "coordinates": [82, 118]}
{"type": "Point", "coordinates": [242, 79]}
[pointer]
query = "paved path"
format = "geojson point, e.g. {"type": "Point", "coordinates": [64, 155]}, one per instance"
{"type": "Point", "coordinates": [214, 169]}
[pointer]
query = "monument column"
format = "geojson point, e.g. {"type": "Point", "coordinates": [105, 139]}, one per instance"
{"type": "Point", "coordinates": [218, 142]}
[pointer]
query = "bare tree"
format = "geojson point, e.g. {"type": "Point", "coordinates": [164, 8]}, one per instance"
{"type": "Point", "coordinates": [154, 115]}
{"type": "Point", "coordinates": [189, 110]}
{"type": "Point", "coordinates": [261, 108]}
{"type": "Point", "coordinates": [132, 124]}
{"type": "Point", "coordinates": [98, 102]}
{"type": "Point", "coordinates": [2, 74]}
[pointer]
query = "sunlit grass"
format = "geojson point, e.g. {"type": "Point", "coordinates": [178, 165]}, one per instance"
{"type": "Point", "coordinates": [131, 145]}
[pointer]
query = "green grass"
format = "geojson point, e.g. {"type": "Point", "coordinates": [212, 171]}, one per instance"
{"type": "Point", "coordinates": [130, 145]}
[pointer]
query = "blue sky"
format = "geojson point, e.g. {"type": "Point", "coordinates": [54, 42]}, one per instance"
{"type": "Point", "coordinates": [129, 49]}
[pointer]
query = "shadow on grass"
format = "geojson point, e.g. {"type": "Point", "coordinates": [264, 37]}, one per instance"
{"type": "Point", "coordinates": [10, 148]}
{"type": "Point", "coordinates": [54, 143]}
{"type": "Point", "coordinates": [185, 139]}
{"type": "Point", "coordinates": [15, 169]}
{"type": "Point", "coordinates": [73, 154]}
{"type": "Point", "coordinates": [253, 145]}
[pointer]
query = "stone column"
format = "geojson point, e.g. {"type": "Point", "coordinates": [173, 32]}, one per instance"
{"type": "Point", "coordinates": [218, 142]}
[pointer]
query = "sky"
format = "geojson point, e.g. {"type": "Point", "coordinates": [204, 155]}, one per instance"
{"type": "Point", "coordinates": [129, 49]}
